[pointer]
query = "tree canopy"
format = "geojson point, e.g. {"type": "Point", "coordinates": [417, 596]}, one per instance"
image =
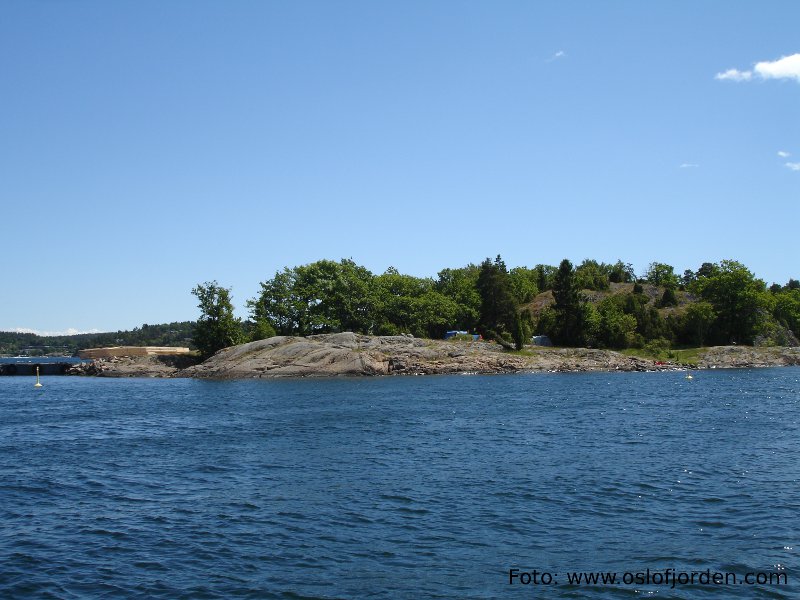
{"type": "Point", "coordinates": [739, 300]}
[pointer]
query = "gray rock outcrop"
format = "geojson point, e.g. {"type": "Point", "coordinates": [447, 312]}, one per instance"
{"type": "Point", "coordinates": [281, 356]}
{"type": "Point", "coordinates": [730, 357]}
{"type": "Point", "coordinates": [349, 354]}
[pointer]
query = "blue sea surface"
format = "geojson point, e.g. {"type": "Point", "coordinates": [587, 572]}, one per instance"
{"type": "Point", "coordinates": [398, 487]}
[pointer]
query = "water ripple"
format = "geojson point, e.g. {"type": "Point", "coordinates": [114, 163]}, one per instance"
{"type": "Point", "coordinates": [396, 487]}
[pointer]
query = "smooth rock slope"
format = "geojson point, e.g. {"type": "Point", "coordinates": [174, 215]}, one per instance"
{"type": "Point", "coordinates": [350, 354]}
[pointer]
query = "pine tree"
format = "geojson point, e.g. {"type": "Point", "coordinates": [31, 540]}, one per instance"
{"type": "Point", "coordinates": [498, 305]}
{"type": "Point", "coordinates": [567, 307]}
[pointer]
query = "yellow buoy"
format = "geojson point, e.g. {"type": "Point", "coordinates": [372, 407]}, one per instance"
{"type": "Point", "coordinates": [37, 377]}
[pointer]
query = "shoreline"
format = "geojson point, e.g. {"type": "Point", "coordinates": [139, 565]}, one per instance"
{"type": "Point", "coordinates": [351, 355]}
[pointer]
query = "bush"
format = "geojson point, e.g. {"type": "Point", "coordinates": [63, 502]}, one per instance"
{"type": "Point", "coordinates": [462, 337]}
{"type": "Point", "coordinates": [658, 348]}
{"type": "Point", "coordinates": [387, 328]}
{"type": "Point", "coordinates": [668, 299]}
{"type": "Point", "coordinates": [260, 330]}
{"type": "Point", "coordinates": [636, 341]}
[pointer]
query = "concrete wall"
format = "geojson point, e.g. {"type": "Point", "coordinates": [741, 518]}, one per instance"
{"type": "Point", "coordinates": [130, 351]}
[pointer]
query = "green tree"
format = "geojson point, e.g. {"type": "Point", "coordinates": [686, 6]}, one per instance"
{"type": "Point", "coordinates": [739, 300]}
{"type": "Point", "coordinates": [546, 322]}
{"type": "Point", "coordinates": [649, 323]}
{"type": "Point", "coordinates": [259, 329]}
{"type": "Point", "coordinates": [461, 286]}
{"type": "Point", "coordinates": [662, 274]}
{"type": "Point", "coordinates": [700, 317]}
{"type": "Point", "coordinates": [397, 297]}
{"type": "Point", "coordinates": [316, 288]}
{"type": "Point", "coordinates": [590, 321]}
{"type": "Point", "coordinates": [687, 279]}
{"type": "Point", "coordinates": [433, 315]}
{"type": "Point", "coordinates": [545, 275]}
{"type": "Point", "coordinates": [498, 304]}
{"type": "Point", "coordinates": [616, 329]}
{"type": "Point", "coordinates": [707, 269]}
{"type": "Point", "coordinates": [340, 296]}
{"type": "Point", "coordinates": [523, 284]}
{"type": "Point", "coordinates": [568, 326]}
{"type": "Point", "coordinates": [321, 297]}
{"type": "Point", "coordinates": [668, 298]}
{"type": "Point", "coordinates": [279, 305]}
{"type": "Point", "coordinates": [216, 328]}
{"type": "Point", "coordinates": [621, 272]}
{"type": "Point", "coordinates": [591, 275]}
{"type": "Point", "coordinates": [787, 309]}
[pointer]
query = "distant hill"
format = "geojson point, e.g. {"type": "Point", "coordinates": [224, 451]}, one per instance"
{"type": "Point", "coordinates": [30, 344]}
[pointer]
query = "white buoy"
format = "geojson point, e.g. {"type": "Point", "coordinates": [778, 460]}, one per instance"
{"type": "Point", "coordinates": [37, 377]}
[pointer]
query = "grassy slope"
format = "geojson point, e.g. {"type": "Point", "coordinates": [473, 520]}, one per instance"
{"type": "Point", "coordinates": [653, 292]}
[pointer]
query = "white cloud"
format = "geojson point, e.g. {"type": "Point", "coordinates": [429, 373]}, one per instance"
{"type": "Point", "coordinates": [783, 154]}
{"type": "Point", "coordinates": [793, 166]}
{"type": "Point", "coordinates": [688, 166]}
{"type": "Point", "coordinates": [557, 55]}
{"type": "Point", "coordinates": [68, 331]}
{"type": "Point", "coordinates": [786, 67]}
{"type": "Point", "coordinates": [734, 75]}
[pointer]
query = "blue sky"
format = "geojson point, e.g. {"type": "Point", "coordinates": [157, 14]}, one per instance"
{"type": "Point", "coordinates": [149, 146]}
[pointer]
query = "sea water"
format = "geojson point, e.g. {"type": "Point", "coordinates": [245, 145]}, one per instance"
{"type": "Point", "coordinates": [401, 487]}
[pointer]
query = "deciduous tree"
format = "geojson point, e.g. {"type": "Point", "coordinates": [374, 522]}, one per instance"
{"type": "Point", "coordinates": [738, 298]}
{"type": "Point", "coordinates": [217, 327]}
{"type": "Point", "coordinates": [662, 274]}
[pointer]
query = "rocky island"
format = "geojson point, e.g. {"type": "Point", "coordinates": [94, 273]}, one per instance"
{"type": "Point", "coordinates": [349, 354]}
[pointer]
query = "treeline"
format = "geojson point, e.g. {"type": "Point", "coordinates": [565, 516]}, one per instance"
{"type": "Point", "coordinates": [30, 344]}
{"type": "Point", "coordinates": [592, 304]}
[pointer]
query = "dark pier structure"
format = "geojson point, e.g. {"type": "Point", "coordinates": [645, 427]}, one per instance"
{"type": "Point", "coordinates": [28, 367]}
